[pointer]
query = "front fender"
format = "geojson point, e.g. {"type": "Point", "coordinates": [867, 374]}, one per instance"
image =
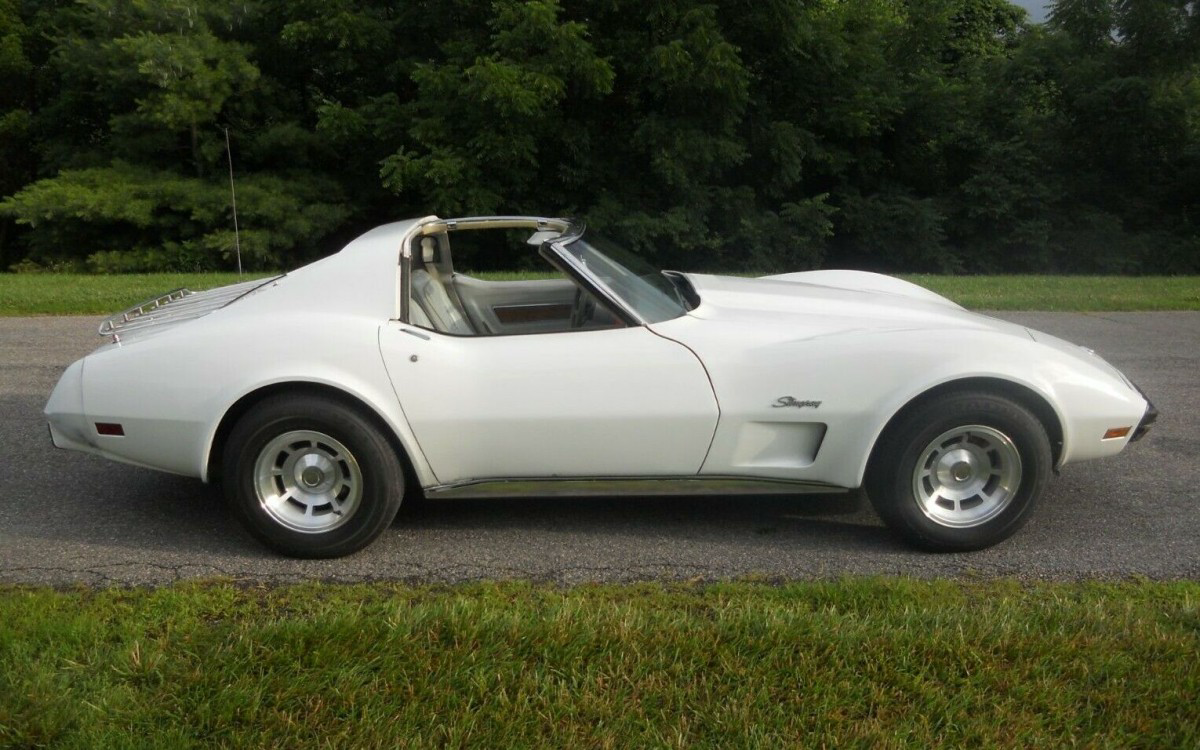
{"type": "Point", "coordinates": [848, 386]}
{"type": "Point", "coordinates": [1086, 397]}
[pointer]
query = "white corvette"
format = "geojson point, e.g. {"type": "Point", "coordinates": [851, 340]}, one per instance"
{"type": "Point", "coordinates": [320, 397]}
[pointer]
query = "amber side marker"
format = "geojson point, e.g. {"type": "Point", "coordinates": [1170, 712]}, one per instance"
{"type": "Point", "coordinates": [112, 428]}
{"type": "Point", "coordinates": [1116, 432]}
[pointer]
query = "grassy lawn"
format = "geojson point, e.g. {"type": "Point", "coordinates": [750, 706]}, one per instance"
{"type": "Point", "coordinates": [80, 294]}
{"type": "Point", "coordinates": [1067, 293]}
{"type": "Point", "coordinates": [94, 294]}
{"type": "Point", "coordinates": [861, 662]}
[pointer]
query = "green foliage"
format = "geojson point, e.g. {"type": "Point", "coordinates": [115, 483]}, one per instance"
{"type": "Point", "coordinates": [117, 218]}
{"type": "Point", "coordinates": [932, 135]}
{"type": "Point", "coordinates": [190, 75]}
{"type": "Point", "coordinates": [485, 113]}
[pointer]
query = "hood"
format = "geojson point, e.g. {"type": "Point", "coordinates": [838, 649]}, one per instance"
{"type": "Point", "coordinates": [859, 302]}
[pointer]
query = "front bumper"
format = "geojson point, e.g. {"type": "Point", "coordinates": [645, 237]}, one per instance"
{"type": "Point", "coordinates": [1148, 419]}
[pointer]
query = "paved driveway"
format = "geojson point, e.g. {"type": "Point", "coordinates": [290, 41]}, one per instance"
{"type": "Point", "coordinates": [68, 518]}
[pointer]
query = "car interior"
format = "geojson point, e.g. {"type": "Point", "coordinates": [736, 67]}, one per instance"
{"type": "Point", "coordinates": [461, 305]}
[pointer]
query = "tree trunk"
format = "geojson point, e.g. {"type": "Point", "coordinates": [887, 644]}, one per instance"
{"type": "Point", "coordinates": [196, 151]}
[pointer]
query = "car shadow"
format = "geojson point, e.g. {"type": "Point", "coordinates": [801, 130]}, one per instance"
{"type": "Point", "coordinates": [844, 520]}
{"type": "Point", "coordinates": [588, 512]}
{"type": "Point", "coordinates": [147, 510]}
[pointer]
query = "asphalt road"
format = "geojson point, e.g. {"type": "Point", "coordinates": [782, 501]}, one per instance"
{"type": "Point", "coordinates": [67, 518]}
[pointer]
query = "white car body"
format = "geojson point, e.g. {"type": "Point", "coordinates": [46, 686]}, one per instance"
{"type": "Point", "coordinates": [786, 381]}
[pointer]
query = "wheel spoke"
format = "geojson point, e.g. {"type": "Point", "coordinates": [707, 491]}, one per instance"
{"type": "Point", "coordinates": [953, 474]}
{"type": "Point", "coordinates": [307, 481]}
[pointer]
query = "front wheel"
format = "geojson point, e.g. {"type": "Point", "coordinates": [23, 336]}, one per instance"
{"type": "Point", "coordinates": [959, 473]}
{"type": "Point", "coordinates": [310, 477]}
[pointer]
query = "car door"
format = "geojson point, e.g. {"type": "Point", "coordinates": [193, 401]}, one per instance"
{"type": "Point", "coordinates": [614, 402]}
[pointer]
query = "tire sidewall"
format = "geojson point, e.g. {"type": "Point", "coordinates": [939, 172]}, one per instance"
{"type": "Point", "coordinates": [382, 478]}
{"type": "Point", "coordinates": [891, 490]}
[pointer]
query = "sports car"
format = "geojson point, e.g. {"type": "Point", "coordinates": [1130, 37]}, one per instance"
{"type": "Point", "coordinates": [320, 398]}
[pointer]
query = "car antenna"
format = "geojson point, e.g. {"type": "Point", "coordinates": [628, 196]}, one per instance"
{"type": "Point", "coordinates": [237, 241]}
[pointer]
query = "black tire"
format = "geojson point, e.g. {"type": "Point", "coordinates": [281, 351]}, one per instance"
{"type": "Point", "coordinates": [356, 465]}
{"type": "Point", "coordinates": [897, 490]}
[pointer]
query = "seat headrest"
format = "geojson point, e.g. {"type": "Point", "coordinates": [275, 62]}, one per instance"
{"type": "Point", "coordinates": [428, 250]}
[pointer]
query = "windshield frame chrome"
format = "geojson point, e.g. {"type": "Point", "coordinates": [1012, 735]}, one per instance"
{"type": "Point", "coordinates": [570, 264]}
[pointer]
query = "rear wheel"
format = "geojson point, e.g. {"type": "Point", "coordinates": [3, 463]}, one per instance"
{"type": "Point", "coordinates": [959, 473]}
{"type": "Point", "coordinates": [310, 477]}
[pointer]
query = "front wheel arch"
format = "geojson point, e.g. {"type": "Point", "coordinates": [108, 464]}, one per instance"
{"type": "Point", "coordinates": [959, 473]}
{"type": "Point", "coordinates": [1023, 395]}
{"type": "Point", "coordinates": [247, 402]}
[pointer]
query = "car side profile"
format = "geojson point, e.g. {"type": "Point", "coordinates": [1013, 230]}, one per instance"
{"type": "Point", "coordinates": [320, 397]}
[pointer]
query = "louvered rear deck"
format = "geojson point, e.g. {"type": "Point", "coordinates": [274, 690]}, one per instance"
{"type": "Point", "coordinates": [176, 306]}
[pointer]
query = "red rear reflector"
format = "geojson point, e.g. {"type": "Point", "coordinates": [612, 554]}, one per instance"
{"type": "Point", "coordinates": [1116, 432]}
{"type": "Point", "coordinates": [112, 428]}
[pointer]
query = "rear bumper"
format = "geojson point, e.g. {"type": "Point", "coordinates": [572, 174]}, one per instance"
{"type": "Point", "coordinates": [68, 432]}
{"type": "Point", "coordinates": [64, 411]}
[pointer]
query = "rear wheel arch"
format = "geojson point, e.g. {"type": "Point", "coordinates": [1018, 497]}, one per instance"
{"type": "Point", "coordinates": [247, 402]}
{"type": "Point", "coordinates": [1023, 395]}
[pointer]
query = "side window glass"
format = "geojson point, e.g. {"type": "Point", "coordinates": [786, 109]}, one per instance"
{"type": "Point", "coordinates": [504, 287]}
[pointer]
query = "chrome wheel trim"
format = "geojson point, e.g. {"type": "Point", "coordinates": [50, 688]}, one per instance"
{"type": "Point", "coordinates": [966, 476]}
{"type": "Point", "coordinates": [308, 482]}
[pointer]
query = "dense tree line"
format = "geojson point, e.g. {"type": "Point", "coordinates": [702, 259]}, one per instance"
{"type": "Point", "coordinates": [939, 135]}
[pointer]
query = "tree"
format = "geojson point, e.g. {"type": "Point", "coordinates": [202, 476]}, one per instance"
{"type": "Point", "coordinates": [137, 141]}
{"type": "Point", "coordinates": [937, 135]}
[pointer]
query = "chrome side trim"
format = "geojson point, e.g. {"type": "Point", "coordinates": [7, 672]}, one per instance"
{"type": "Point", "coordinates": [437, 226]}
{"type": "Point", "coordinates": [528, 305]}
{"type": "Point", "coordinates": [634, 486]}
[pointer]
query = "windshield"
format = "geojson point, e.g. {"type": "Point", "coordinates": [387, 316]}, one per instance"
{"type": "Point", "coordinates": [645, 289]}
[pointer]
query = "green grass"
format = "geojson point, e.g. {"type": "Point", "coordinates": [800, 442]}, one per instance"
{"type": "Point", "coordinates": [94, 294]}
{"type": "Point", "coordinates": [858, 662]}
{"type": "Point", "coordinates": [1067, 293]}
{"type": "Point", "coordinates": [82, 294]}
